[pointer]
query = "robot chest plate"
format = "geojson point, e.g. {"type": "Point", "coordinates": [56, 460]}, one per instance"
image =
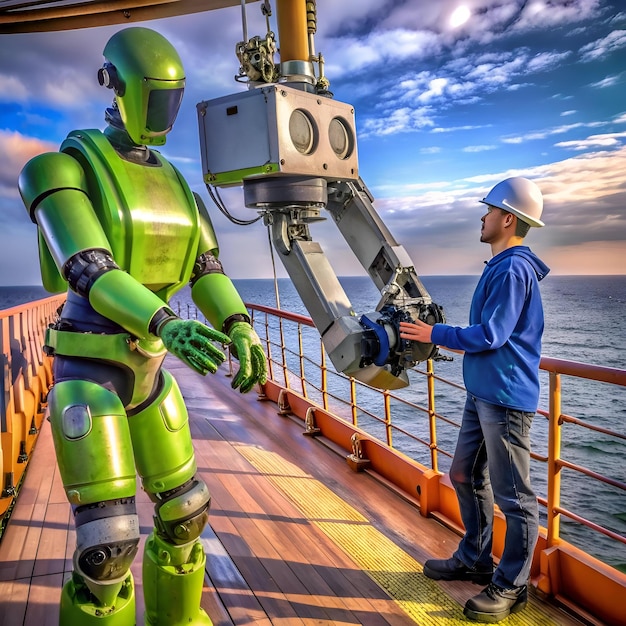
{"type": "Point", "coordinates": [154, 228]}
{"type": "Point", "coordinates": [146, 210]}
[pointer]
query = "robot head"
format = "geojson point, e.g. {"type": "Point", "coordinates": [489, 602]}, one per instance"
{"type": "Point", "coordinates": [148, 79]}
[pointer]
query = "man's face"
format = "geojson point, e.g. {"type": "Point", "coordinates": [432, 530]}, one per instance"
{"type": "Point", "coordinates": [492, 224]}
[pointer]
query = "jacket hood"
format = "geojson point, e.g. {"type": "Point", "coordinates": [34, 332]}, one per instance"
{"type": "Point", "coordinates": [541, 269]}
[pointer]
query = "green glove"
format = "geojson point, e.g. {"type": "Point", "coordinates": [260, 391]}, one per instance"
{"type": "Point", "coordinates": [190, 341]}
{"type": "Point", "coordinates": [248, 350]}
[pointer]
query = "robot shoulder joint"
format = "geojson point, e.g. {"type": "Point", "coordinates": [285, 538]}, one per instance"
{"type": "Point", "coordinates": [47, 173]}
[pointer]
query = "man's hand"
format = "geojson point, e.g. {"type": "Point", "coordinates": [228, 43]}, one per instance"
{"type": "Point", "coordinates": [248, 350]}
{"type": "Point", "coordinates": [416, 331]}
{"type": "Point", "coordinates": [191, 342]}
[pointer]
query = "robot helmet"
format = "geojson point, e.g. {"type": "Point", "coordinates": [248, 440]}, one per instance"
{"type": "Point", "coordinates": [519, 196]}
{"type": "Point", "coordinates": [147, 75]}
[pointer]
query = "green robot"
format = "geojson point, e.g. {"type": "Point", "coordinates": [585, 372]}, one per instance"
{"type": "Point", "coordinates": [119, 226]}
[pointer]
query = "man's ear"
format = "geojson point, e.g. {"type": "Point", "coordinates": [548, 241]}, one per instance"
{"type": "Point", "coordinates": [509, 219]}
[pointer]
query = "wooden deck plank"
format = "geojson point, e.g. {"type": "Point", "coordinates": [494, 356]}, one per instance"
{"type": "Point", "coordinates": [280, 534]}
{"type": "Point", "coordinates": [30, 544]}
{"type": "Point", "coordinates": [270, 536]}
{"type": "Point", "coordinates": [269, 560]}
{"type": "Point", "coordinates": [14, 545]}
{"type": "Point", "coordinates": [14, 601]}
{"type": "Point", "coordinates": [254, 515]}
{"type": "Point", "coordinates": [275, 581]}
{"type": "Point", "coordinates": [231, 570]}
{"type": "Point", "coordinates": [242, 603]}
{"type": "Point", "coordinates": [18, 550]}
{"type": "Point", "coordinates": [51, 552]}
{"type": "Point", "coordinates": [43, 603]}
{"type": "Point", "coordinates": [312, 559]}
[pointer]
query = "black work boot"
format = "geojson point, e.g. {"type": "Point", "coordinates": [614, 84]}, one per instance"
{"type": "Point", "coordinates": [493, 603]}
{"type": "Point", "coordinates": [453, 569]}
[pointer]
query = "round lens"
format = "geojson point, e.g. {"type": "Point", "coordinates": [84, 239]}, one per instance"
{"type": "Point", "coordinates": [302, 131]}
{"type": "Point", "coordinates": [341, 138]}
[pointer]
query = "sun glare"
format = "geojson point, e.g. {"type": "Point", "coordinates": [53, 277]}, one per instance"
{"type": "Point", "coordinates": [459, 16]}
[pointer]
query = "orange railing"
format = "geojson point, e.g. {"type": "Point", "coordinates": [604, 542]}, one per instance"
{"type": "Point", "coordinates": [403, 436]}
{"type": "Point", "coordinates": [26, 378]}
{"type": "Point", "coordinates": [383, 431]}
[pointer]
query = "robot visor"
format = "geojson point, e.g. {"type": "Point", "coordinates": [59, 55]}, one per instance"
{"type": "Point", "coordinates": [163, 105]}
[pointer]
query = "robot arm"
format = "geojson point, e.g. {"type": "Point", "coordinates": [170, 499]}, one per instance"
{"type": "Point", "coordinates": [211, 289]}
{"type": "Point", "coordinates": [403, 296]}
{"type": "Point", "coordinates": [295, 154]}
{"type": "Point", "coordinates": [218, 299]}
{"type": "Point", "coordinates": [367, 347]}
{"type": "Point", "coordinates": [54, 190]}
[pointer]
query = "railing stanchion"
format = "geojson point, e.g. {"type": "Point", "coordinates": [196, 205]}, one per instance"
{"type": "Point", "coordinates": [324, 376]}
{"type": "Point", "coordinates": [432, 416]}
{"type": "Point", "coordinates": [554, 454]}
{"type": "Point", "coordinates": [283, 352]}
{"type": "Point", "coordinates": [388, 425]}
{"type": "Point", "coordinates": [353, 404]}
{"type": "Point", "coordinates": [268, 343]}
{"type": "Point", "coordinates": [301, 361]}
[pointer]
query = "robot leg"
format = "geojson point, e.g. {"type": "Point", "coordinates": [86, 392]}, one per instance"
{"type": "Point", "coordinates": [95, 458]}
{"type": "Point", "coordinates": [173, 560]}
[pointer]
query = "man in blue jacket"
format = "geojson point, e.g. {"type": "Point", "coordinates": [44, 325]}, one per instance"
{"type": "Point", "coordinates": [502, 346]}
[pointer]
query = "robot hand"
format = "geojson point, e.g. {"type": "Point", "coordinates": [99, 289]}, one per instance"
{"type": "Point", "coordinates": [190, 341]}
{"type": "Point", "coordinates": [248, 350]}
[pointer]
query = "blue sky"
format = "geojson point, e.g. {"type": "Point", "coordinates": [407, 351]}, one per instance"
{"type": "Point", "coordinates": [444, 111]}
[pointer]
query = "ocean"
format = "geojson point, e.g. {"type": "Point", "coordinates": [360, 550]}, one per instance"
{"type": "Point", "coordinates": [584, 321]}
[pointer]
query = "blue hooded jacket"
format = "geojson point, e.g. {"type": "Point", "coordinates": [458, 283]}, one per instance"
{"type": "Point", "coordinates": [502, 344]}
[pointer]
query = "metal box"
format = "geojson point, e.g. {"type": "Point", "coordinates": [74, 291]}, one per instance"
{"type": "Point", "coordinates": [276, 130]}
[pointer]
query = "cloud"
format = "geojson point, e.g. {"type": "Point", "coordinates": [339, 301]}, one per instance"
{"type": "Point", "coordinates": [430, 150]}
{"type": "Point", "coordinates": [552, 13]}
{"type": "Point", "coordinates": [548, 132]}
{"type": "Point", "coordinates": [397, 121]}
{"type": "Point", "coordinates": [12, 89]}
{"type": "Point", "coordinates": [479, 148]}
{"type": "Point", "coordinates": [351, 54]}
{"type": "Point", "coordinates": [608, 81]}
{"type": "Point", "coordinates": [17, 150]}
{"type": "Point", "coordinates": [605, 46]}
{"type": "Point", "coordinates": [584, 203]}
{"type": "Point", "coordinates": [608, 140]}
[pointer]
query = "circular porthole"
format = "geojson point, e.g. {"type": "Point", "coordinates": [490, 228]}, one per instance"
{"type": "Point", "coordinates": [341, 137]}
{"type": "Point", "coordinates": [302, 131]}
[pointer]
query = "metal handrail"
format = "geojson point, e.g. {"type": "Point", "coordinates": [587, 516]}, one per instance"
{"type": "Point", "coordinates": [303, 366]}
{"type": "Point", "coordinates": [24, 383]}
{"type": "Point", "coordinates": [356, 411]}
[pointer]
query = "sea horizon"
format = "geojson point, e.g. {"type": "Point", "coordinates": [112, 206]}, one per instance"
{"type": "Point", "coordinates": [584, 317]}
{"type": "Point", "coordinates": [421, 276]}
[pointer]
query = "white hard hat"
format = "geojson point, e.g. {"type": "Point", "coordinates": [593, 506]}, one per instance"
{"type": "Point", "coordinates": [519, 196]}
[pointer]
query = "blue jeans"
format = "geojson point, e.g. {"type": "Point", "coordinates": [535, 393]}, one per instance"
{"type": "Point", "coordinates": [492, 463]}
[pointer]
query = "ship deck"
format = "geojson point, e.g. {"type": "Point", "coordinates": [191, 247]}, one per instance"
{"type": "Point", "coordinates": [295, 536]}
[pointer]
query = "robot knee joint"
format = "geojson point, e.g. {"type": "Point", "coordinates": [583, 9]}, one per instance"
{"type": "Point", "coordinates": [107, 536]}
{"type": "Point", "coordinates": [182, 513]}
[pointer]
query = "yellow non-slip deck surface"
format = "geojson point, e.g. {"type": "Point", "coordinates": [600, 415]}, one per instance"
{"type": "Point", "coordinates": [295, 537]}
{"type": "Point", "coordinates": [399, 574]}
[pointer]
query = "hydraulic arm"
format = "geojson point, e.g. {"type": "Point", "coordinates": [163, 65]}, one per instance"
{"type": "Point", "coordinates": [293, 149]}
{"type": "Point", "coordinates": [368, 346]}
